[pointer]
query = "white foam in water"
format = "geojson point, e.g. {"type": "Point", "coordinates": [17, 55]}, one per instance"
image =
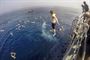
{"type": "Point", "coordinates": [18, 28]}
{"type": "Point", "coordinates": [46, 34]}
{"type": "Point", "coordinates": [25, 22]}
{"type": "Point", "coordinates": [33, 22]}
{"type": "Point", "coordinates": [22, 26]}
{"type": "Point", "coordinates": [18, 25]}
{"type": "Point", "coordinates": [2, 30]}
{"type": "Point", "coordinates": [11, 33]}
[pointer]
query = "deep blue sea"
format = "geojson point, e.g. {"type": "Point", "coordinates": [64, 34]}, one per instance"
{"type": "Point", "coordinates": [27, 33]}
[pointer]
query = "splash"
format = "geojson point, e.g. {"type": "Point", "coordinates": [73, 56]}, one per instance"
{"type": "Point", "coordinates": [46, 33]}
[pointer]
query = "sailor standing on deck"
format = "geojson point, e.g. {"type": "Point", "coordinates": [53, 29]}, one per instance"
{"type": "Point", "coordinates": [85, 7]}
{"type": "Point", "coordinates": [54, 21]}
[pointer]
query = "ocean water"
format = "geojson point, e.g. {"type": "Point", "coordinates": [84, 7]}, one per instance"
{"type": "Point", "coordinates": [27, 33]}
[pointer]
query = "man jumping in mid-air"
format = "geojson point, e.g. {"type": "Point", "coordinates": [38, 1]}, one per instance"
{"type": "Point", "coordinates": [54, 21]}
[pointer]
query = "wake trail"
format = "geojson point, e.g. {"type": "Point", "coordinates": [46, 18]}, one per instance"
{"type": "Point", "coordinates": [45, 32]}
